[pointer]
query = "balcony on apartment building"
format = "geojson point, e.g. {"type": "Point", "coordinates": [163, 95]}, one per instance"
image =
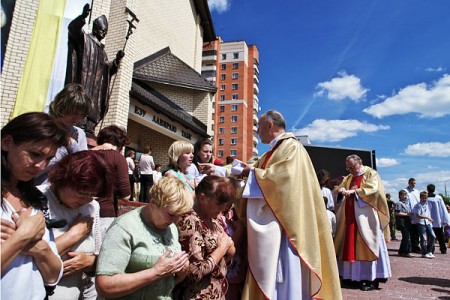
{"type": "Point", "coordinates": [255, 89]}
{"type": "Point", "coordinates": [209, 75]}
{"type": "Point", "coordinates": [256, 107]}
{"type": "Point", "coordinates": [209, 55]}
{"type": "Point", "coordinates": [256, 66]}
{"type": "Point", "coordinates": [255, 141]}
{"type": "Point", "coordinates": [209, 67]}
{"type": "Point", "coordinates": [255, 120]}
{"type": "Point", "coordinates": [255, 78]}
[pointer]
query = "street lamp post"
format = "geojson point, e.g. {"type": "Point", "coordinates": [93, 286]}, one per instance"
{"type": "Point", "coordinates": [445, 187]}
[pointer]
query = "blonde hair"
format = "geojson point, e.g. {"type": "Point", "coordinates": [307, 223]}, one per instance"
{"type": "Point", "coordinates": [172, 193]}
{"type": "Point", "coordinates": [176, 150]}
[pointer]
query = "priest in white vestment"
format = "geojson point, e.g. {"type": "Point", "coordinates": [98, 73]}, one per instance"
{"type": "Point", "coordinates": [290, 248]}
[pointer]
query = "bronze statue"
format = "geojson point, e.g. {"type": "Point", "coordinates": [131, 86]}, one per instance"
{"type": "Point", "coordinates": [88, 65]}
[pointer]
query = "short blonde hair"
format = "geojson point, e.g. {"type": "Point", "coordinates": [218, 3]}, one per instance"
{"type": "Point", "coordinates": [176, 150]}
{"type": "Point", "coordinates": [172, 193]}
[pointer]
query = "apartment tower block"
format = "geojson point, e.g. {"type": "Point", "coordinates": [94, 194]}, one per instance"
{"type": "Point", "coordinates": [233, 68]}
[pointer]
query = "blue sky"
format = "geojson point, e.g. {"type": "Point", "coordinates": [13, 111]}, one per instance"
{"type": "Point", "coordinates": [356, 74]}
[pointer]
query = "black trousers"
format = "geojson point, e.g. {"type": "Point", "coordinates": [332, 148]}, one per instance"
{"type": "Point", "coordinates": [146, 184]}
{"type": "Point", "coordinates": [404, 224]}
{"type": "Point", "coordinates": [131, 178]}
{"type": "Point", "coordinates": [415, 243]}
{"type": "Point", "coordinates": [439, 232]}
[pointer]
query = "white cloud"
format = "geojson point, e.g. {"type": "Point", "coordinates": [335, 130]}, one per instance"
{"type": "Point", "coordinates": [342, 87]}
{"type": "Point", "coordinates": [386, 162]}
{"type": "Point", "coordinates": [428, 101]}
{"type": "Point", "coordinates": [393, 186]}
{"type": "Point", "coordinates": [429, 149]}
{"type": "Point", "coordinates": [219, 5]}
{"type": "Point", "coordinates": [321, 130]}
{"type": "Point", "coordinates": [423, 179]}
{"type": "Point", "coordinates": [438, 69]}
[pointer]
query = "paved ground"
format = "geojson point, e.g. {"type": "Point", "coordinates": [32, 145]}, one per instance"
{"type": "Point", "coordinates": [412, 278]}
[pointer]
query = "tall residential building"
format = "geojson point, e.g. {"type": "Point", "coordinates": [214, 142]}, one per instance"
{"type": "Point", "coordinates": [233, 68]}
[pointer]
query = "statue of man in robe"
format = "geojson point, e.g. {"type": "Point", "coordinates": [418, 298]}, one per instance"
{"type": "Point", "coordinates": [88, 65]}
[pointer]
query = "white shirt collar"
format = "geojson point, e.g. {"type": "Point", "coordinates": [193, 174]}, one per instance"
{"type": "Point", "coordinates": [361, 171]}
{"type": "Point", "coordinates": [275, 141]}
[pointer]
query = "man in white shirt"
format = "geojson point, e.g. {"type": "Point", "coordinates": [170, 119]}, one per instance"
{"type": "Point", "coordinates": [413, 197]}
{"type": "Point", "coordinates": [440, 216]}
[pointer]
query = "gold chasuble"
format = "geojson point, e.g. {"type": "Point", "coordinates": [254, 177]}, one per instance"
{"type": "Point", "coordinates": [369, 218]}
{"type": "Point", "coordinates": [290, 188]}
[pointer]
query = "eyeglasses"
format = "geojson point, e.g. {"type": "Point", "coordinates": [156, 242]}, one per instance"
{"type": "Point", "coordinates": [352, 167]}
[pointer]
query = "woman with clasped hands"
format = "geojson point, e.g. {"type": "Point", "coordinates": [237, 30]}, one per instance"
{"type": "Point", "coordinates": [73, 184]}
{"type": "Point", "coordinates": [204, 238]}
{"type": "Point", "coordinates": [141, 257]}
{"type": "Point", "coordinates": [29, 257]}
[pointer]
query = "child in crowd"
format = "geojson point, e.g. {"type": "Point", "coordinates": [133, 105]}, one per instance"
{"type": "Point", "coordinates": [323, 177]}
{"type": "Point", "coordinates": [424, 221]}
{"type": "Point", "coordinates": [391, 206]}
{"type": "Point", "coordinates": [403, 222]}
{"type": "Point", "coordinates": [157, 175]}
{"type": "Point", "coordinates": [331, 218]}
{"type": "Point", "coordinates": [68, 108]}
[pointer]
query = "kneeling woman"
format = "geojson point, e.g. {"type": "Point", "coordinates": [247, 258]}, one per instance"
{"type": "Point", "coordinates": [141, 257]}
{"type": "Point", "coordinates": [203, 237]}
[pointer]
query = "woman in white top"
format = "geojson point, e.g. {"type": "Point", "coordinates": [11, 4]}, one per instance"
{"type": "Point", "coordinates": [130, 154]}
{"type": "Point", "coordinates": [146, 167]}
{"type": "Point", "coordinates": [29, 259]}
{"type": "Point", "coordinates": [73, 183]}
{"type": "Point", "coordinates": [203, 163]}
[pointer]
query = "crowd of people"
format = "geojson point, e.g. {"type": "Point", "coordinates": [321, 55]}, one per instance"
{"type": "Point", "coordinates": [422, 221]}
{"type": "Point", "coordinates": [259, 230]}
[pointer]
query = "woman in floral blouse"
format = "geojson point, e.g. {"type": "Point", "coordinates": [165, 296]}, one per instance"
{"type": "Point", "coordinates": [204, 239]}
